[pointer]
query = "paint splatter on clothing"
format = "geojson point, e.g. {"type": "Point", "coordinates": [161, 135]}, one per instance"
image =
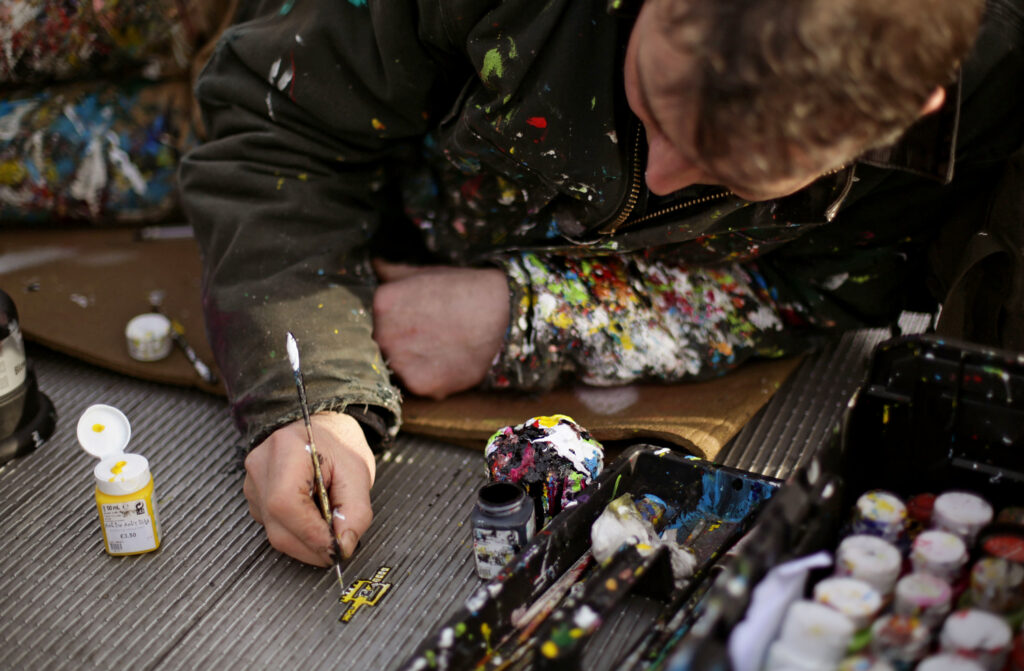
{"type": "Point", "coordinates": [619, 319]}
{"type": "Point", "coordinates": [97, 153]}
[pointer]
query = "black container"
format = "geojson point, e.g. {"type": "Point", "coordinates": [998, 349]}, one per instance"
{"type": "Point", "coordinates": [27, 418]}
{"type": "Point", "coordinates": [933, 415]}
{"type": "Point", "coordinates": [13, 368]}
{"type": "Point", "coordinates": [714, 506]}
{"type": "Point", "coordinates": [503, 523]}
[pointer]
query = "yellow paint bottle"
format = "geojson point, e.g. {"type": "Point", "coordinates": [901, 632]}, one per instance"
{"type": "Point", "coordinates": [124, 484]}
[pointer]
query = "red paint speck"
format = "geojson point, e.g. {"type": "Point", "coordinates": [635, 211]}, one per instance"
{"type": "Point", "coordinates": [537, 122]}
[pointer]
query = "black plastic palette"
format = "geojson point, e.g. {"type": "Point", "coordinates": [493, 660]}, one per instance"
{"type": "Point", "coordinates": [710, 507]}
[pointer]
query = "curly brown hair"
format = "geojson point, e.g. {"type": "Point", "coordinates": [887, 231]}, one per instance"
{"type": "Point", "coordinates": [786, 83]}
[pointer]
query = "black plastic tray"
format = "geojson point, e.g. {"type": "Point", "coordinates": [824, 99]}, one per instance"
{"type": "Point", "coordinates": [933, 414]}
{"type": "Point", "coordinates": [720, 503]}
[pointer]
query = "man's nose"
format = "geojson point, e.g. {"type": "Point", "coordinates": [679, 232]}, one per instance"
{"type": "Point", "coordinates": [667, 169]}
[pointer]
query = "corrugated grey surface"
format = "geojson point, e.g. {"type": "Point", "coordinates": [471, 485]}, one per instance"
{"type": "Point", "coordinates": [216, 594]}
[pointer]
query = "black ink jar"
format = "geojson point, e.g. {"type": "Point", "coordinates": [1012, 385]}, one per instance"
{"type": "Point", "coordinates": [27, 417]}
{"type": "Point", "coordinates": [502, 525]}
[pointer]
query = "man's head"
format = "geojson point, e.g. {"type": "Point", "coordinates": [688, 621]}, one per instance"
{"type": "Point", "coordinates": [762, 96]}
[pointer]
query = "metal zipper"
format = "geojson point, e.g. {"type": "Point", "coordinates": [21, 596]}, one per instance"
{"type": "Point", "coordinates": [634, 186]}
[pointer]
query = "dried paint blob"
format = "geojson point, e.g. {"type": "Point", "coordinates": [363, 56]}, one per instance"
{"type": "Point", "coordinates": [961, 513]}
{"type": "Point", "coordinates": [882, 514]}
{"type": "Point", "coordinates": [869, 558]}
{"type": "Point", "coordinates": [553, 458]}
{"type": "Point", "coordinates": [981, 636]}
{"type": "Point", "coordinates": [940, 553]}
{"type": "Point", "coordinates": [924, 596]}
{"type": "Point", "coordinates": [854, 598]}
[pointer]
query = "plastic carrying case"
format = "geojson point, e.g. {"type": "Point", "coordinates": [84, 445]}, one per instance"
{"type": "Point", "coordinates": [933, 414]}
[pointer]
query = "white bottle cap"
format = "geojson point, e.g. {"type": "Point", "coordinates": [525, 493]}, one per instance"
{"type": "Point", "coordinates": [874, 560]}
{"type": "Point", "coordinates": [961, 513]}
{"type": "Point", "coordinates": [880, 513]}
{"type": "Point", "coordinates": [817, 632]}
{"type": "Point", "coordinates": [122, 474]}
{"type": "Point", "coordinates": [103, 431]}
{"type": "Point", "coordinates": [983, 637]}
{"type": "Point", "coordinates": [854, 598]}
{"type": "Point", "coordinates": [923, 596]}
{"type": "Point", "coordinates": [940, 553]}
{"type": "Point", "coordinates": [148, 336]}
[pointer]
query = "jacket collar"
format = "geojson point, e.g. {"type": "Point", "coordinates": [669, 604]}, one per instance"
{"type": "Point", "coordinates": [927, 148]}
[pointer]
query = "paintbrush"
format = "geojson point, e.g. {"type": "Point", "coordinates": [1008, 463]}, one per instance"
{"type": "Point", "coordinates": [321, 491]}
{"type": "Point", "coordinates": [156, 300]}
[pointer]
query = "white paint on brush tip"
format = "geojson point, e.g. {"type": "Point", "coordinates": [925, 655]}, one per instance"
{"type": "Point", "coordinates": [293, 351]}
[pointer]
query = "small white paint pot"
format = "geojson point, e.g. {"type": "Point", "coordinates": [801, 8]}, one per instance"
{"type": "Point", "coordinates": [148, 336]}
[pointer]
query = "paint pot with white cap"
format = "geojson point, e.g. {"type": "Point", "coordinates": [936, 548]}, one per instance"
{"type": "Point", "coordinates": [813, 633]}
{"type": "Point", "coordinates": [945, 661]}
{"type": "Point", "coordinates": [124, 484]}
{"type": "Point", "coordinates": [854, 598]}
{"type": "Point", "coordinates": [148, 336]}
{"type": "Point", "coordinates": [874, 560]}
{"type": "Point", "coordinates": [983, 637]}
{"type": "Point", "coordinates": [961, 513]}
{"type": "Point", "coordinates": [900, 639]}
{"type": "Point", "coordinates": [924, 596]}
{"type": "Point", "coordinates": [940, 553]}
{"type": "Point", "coordinates": [880, 513]}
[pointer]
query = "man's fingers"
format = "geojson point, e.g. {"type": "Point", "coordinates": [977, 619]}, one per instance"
{"type": "Point", "coordinates": [283, 540]}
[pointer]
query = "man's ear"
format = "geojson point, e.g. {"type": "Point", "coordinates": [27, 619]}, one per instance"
{"type": "Point", "coordinates": [934, 102]}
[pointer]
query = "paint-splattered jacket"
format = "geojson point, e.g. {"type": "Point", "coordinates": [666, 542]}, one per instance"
{"type": "Point", "coordinates": [500, 130]}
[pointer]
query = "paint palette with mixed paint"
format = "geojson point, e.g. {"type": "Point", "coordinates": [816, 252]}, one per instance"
{"type": "Point", "coordinates": [671, 518]}
{"type": "Point", "coordinates": [911, 511]}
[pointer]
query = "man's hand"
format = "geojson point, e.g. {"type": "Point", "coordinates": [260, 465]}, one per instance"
{"type": "Point", "coordinates": [279, 479]}
{"type": "Point", "coordinates": [439, 327]}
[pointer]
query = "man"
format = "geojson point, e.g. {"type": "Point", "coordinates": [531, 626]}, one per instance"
{"type": "Point", "coordinates": [563, 165]}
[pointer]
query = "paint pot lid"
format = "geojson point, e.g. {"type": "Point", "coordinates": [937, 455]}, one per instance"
{"type": "Point", "coordinates": [122, 474]}
{"type": "Point", "coordinates": [103, 431]}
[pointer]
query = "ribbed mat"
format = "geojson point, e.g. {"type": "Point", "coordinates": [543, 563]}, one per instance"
{"type": "Point", "coordinates": [217, 596]}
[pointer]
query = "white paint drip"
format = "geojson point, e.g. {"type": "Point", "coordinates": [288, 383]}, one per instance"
{"type": "Point", "coordinates": [11, 124]}
{"type": "Point", "coordinates": [270, 106]}
{"type": "Point", "coordinates": [120, 158]}
{"type": "Point", "coordinates": [91, 177]}
{"type": "Point", "coordinates": [74, 120]}
{"type": "Point", "coordinates": [568, 445]}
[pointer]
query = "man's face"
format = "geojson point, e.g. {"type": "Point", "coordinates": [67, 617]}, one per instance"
{"type": "Point", "coordinates": [653, 68]}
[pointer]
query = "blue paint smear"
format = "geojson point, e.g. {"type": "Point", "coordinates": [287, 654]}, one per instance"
{"type": "Point", "coordinates": [721, 501]}
{"type": "Point", "coordinates": [357, 3]}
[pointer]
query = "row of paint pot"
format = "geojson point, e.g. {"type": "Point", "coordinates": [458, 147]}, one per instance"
{"type": "Point", "coordinates": [906, 595]}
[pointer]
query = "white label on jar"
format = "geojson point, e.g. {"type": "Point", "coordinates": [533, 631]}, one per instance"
{"type": "Point", "coordinates": [12, 361]}
{"type": "Point", "coordinates": [129, 526]}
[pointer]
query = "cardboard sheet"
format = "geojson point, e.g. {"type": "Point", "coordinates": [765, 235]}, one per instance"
{"type": "Point", "coordinates": [76, 290]}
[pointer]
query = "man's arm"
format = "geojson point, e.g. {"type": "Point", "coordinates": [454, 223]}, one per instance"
{"type": "Point", "coordinates": [308, 108]}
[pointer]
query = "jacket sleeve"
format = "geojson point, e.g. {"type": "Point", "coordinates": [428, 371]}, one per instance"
{"type": "Point", "coordinates": [309, 108]}
{"type": "Point", "coordinates": [623, 318]}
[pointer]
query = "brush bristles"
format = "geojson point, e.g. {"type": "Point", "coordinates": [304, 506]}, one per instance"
{"type": "Point", "coordinates": [293, 352]}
